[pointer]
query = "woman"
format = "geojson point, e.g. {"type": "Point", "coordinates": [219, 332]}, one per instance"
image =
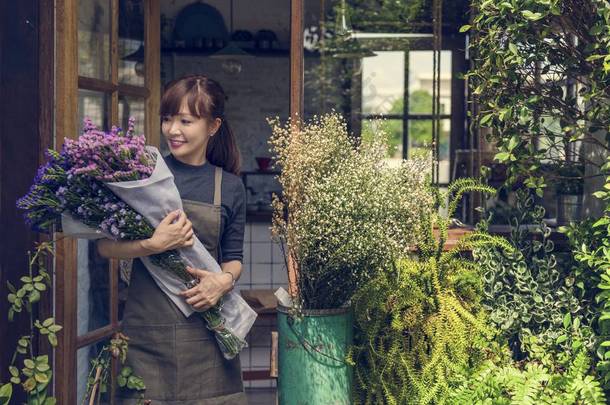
{"type": "Point", "coordinates": [178, 357]}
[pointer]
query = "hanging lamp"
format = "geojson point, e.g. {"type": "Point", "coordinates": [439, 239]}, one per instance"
{"type": "Point", "coordinates": [231, 50]}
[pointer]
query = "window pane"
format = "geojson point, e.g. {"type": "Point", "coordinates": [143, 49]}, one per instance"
{"type": "Point", "coordinates": [94, 105]}
{"type": "Point", "coordinates": [131, 42]}
{"type": "Point", "coordinates": [420, 82]}
{"type": "Point", "coordinates": [94, 39]}
{"type": "Point", "coordinates": [383, 83]}
{"type": "Point", "coordinates": [420, 143]}
{"type": "Point", "coordinates": [93, 294]}
{"type": "Point", "coordinates": [132, 107]}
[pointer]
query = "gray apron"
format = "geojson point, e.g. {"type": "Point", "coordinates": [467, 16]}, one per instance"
{"type": "Point", "coordinates": [178, 357]}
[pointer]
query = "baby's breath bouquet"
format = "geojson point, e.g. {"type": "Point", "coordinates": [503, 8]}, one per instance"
{"type": "Point", "coordinates": [344, 212]}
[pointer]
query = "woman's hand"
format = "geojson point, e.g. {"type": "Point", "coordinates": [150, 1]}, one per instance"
{"type": "Point", "coordinates": [212, 286]}
{"type": "Point", "coordinates": [170, 235]}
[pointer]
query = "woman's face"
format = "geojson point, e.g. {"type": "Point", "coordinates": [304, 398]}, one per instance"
{"type": "Point", "coordinates": [187, 136]}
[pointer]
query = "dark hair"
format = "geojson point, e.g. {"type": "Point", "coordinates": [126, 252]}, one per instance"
{"type": "Point", "coordinates": [205, 99]}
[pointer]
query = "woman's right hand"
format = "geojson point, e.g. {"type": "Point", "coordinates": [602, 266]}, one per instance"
{"type": "Point", "coordinates": [168, 235]}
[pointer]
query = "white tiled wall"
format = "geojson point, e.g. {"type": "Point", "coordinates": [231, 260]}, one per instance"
{"type": "Point", "coordinates": [263, 268]}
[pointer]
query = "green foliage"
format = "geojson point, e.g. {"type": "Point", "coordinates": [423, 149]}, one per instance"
{"type": "Point", "coordinates": [592, 249]}
{"type": "Point", "coordinates": [420, 131]}
{"type": "Point", "coordinates": [35, 375]}
{"type": "Point", "coordinates": [420, 321]}
{"type": "Point", "coordinates": [533, 382]}
{"type": "Point", "coordinates": [524, 52]}
{"type": "Point", "coordinates": [530, 290]}
{"type": "Point", "coordinates": [101, 366]}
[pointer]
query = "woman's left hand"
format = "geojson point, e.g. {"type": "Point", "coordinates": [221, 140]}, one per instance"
{"type": "Point", "coordinates": [212, 286]}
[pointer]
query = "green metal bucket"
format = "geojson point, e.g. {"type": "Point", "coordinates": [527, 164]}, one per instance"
{"type": "Point", "coordinates": [311, 357]}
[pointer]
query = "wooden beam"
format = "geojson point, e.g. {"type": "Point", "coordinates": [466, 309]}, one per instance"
{"type": "Point", "coordinates": [90, 83]}
{"type": "Point", "coordinates": [152, 67]}
{"type": "Point", "coordinates": [296, 59]}
{"type": "Point", "coordinates": [66, 91]}
{"type": "Point", "coordinates": [114, 62]}
{"type": "Point", "coordinates": [296, 101]}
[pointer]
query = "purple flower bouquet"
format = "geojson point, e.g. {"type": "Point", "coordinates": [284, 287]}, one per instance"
{"type": "Point", "coordinates": [112, 185]}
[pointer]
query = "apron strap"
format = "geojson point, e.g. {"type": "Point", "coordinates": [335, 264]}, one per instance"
{"type": "Point", "coordinates": [217, 186]}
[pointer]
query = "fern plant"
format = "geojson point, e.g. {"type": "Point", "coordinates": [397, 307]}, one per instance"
{"type": "Point", "coordinates": [530, 383]}
{"type": "Point", "coordinates": [420, 321]}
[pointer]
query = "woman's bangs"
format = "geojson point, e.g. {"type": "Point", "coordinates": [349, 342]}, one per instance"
{"type": "Point", "coordinates": [195, 101]}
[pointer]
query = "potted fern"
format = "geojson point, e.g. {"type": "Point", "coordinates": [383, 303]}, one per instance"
{"type": "Point", "coordinates": [343, 215]}
{"type": "Point", "coordinates": [420, 319]}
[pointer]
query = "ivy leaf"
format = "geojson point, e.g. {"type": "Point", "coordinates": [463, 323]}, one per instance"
{"type": "Point", "coordinates": [567, 320]}
{"type": "Point", "coordinates": [530, 15]}
{"type": "Point", "coordinates": [514, 141]}
{"type": "Point", "coordinates": [513, 48]}
{"type": "Point", "coordinates": [561, 339]}
{"type": "Point", "coordinates": [486, 118]}
{"type": "Point", "coordinates": [502, 156]}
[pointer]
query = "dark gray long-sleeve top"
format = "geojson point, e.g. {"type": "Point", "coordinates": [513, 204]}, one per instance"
{"type": "Point", "coordinates": [197, 183]}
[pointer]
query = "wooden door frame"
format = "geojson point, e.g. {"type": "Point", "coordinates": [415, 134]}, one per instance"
{"type": "Point", "coordinates": [66, 127]}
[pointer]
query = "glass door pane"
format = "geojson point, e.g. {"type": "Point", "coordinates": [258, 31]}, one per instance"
{"type": "Point", "coordinates": [132, 107]}
{"type": "Point", "coordinates": [94, 39]}
{"type": "Point", "coordinates": [93, 295]}
{"type": "Point", "coordinates": [420, 82]}
{"type": "Point", "coordinates": [94, 105]}
{"type": "Point", "coordinates": [383, 84]}
{"type": "Point", "coordinates": [131, 42]}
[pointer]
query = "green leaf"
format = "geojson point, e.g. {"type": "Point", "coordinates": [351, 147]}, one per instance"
{"type": "Point", "coordinates": [55, 328]}
{"type": "Point", "coordinates": [465, 28]}
{"type": "Point", "coordinates": [13, 370]}
{"type": "Point", "coordinates": [514, 141]}
{"type": "Point", "coordinates": [29, 363]}
{"type": "Point", "coordinates": [29, 384]}
{"type": "Point", "coordinates": [41, 378]}
{"type": "Point", "coordinates": [11, 287]}
{"type": "Point", "coordinates": [502, 156]}
{"type": "Point", "coordinates": [48, 322]}
{"type": "Point", "coordinates": [567, 320]}
{"type": "Point", "coordinates": [530, 15]}
{"type": "Point", "coordinates": [486, 118]}
{"type": "Point", "coordinates": [513, 48]}
{"type": "Point", "coordinates": [561, 339]}
{"type": "Point", "coordinates": [53, 339]}
{"type": "Point", "coordinates": [34, 296]}
{"type": "Point", "coordinates": [6, 392]}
